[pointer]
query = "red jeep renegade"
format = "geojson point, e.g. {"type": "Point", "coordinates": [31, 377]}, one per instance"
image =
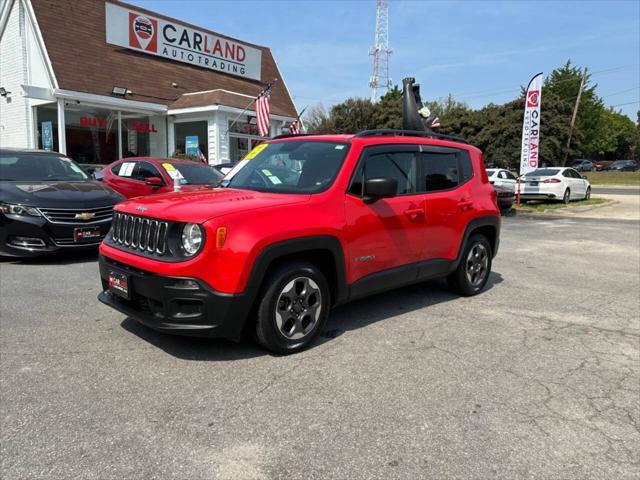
{"type": "Point", "coordinates": [307, 223]}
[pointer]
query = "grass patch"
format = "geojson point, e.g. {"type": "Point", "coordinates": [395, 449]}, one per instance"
{"type": "Point", "coordinates": [613, 178]}
{"type": "Point", "coordinates": [542, 206]}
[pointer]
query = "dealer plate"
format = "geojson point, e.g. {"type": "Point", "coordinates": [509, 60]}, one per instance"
{"type": "Point", "coordinates": [119, 283]}
{"type": "Point", "coordinates": [86, 234]}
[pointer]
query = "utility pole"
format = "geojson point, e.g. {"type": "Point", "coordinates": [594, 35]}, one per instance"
{"type": "Point", "coordinates": [380, 52]}
{"type": "Point", "coordinates": [575, 112]}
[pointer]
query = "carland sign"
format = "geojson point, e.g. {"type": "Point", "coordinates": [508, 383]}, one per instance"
{"type": "Point", "coordinates": [156, 36]}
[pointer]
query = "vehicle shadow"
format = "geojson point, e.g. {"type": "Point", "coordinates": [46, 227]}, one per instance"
{"type": "Point", "coordinates": [385, 306]}
{"type": "Point", "coordinates": [194, 348]}
{"type": "Point", "coordinates": [352, 316]}
{"type": "Point", "coordinates": [57, 258]}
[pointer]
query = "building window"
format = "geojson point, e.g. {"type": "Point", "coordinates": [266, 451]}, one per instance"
{"type": "Point", "coordinates": [191, 136]}
{"type": "Point", "coordinates": [136, 132]}
{"type": "Point", "coordinates": [47, 128]}
{"type": "Point", "coordinates": [91, 133]}
{"type": "Point", "coordinates": [243, 136]}
{"type": "Point", "coordinates": [245, 127]}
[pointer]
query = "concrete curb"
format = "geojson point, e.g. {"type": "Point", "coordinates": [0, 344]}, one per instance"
{"type": "Point", "coordinates": [563, 212]}
{"type": "Point", "coordinates": [621, 187]}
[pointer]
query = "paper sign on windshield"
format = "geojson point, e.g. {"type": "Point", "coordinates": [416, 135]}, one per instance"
{"type": "Point", "coordinates": [172, 171]}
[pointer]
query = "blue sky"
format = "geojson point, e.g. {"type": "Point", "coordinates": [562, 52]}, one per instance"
{"type": "Point", "coordinates": [480, 52]}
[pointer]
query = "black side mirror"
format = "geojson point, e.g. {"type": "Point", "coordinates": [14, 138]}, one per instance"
{"type": "Point", "coordinates": [376, 188]}
{"type": "Point", "coordinates": [155, 182]}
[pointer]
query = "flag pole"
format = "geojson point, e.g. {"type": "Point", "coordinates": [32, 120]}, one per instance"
{"type": "Point", "coordinates": [297, 120]}
{"type": "Point", "coordinates": [247, 107]}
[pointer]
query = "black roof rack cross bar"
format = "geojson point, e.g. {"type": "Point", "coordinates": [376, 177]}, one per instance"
{"type": "Point", "coordinates": [409, 133]}
{"type": "Point", "coordinates": [289, 135]}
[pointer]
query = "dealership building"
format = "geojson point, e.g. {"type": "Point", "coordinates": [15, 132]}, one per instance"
{"type": "Point", "coordinates": [101, 80]}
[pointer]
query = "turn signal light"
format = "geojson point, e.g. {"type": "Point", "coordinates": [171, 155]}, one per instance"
{"type": "Point", "coordinates": [221, 236]}
{"type": "Point", "coordinates": [552, 180]}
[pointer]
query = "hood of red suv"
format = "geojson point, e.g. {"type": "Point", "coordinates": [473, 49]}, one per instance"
{"type": "Point", "coordinates": [204, 204]}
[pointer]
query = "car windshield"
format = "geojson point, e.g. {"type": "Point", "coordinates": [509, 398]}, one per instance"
{"type": "Point", "coordinates": [195, 173]}
{"type": "Point", "coordinates": [491, 172]}
{"type": "Point", "coordinates": [293, 166]}
{"type": "Point", "coordinates": [37, 167]}
{"type": "Point", "coordinates": [543, 172]}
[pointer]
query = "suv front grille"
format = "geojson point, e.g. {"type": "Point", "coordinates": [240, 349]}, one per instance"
{"type": "Point", "coordinates": [140, 233]}
{"type": "Point", "coordinates": [78, 216]}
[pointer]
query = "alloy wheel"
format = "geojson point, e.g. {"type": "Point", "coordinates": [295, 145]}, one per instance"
{"type": "Point", "coordinates": [477, 265]}
{"type": "Point", "coordinates": [298, 308]}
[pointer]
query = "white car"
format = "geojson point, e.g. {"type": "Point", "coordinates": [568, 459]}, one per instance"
{"type": "Point", "coordinates": [554, 183]}
{"type": "Point", "coordinates": [502, 178]}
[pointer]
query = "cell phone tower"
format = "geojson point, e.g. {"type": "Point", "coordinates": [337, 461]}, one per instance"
{"type": "Point", "coordinates": [380, 51]}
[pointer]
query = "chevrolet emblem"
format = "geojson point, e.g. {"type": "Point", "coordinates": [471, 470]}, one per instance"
{"type": "Point", "coordinates": [84, 216]}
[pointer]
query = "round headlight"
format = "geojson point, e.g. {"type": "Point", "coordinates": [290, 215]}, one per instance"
{"type": "Point", "coordinates": [191, 238]}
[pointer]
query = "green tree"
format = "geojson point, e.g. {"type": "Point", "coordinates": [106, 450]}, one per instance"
{"type": "Point", "coordinates": [615, 136]}
{"type": "Point", "coordinates": [351, 116]}
{"type": "Point", "coordinates": [564, 82]}
{"type": "Point", "coordinates": [388, 111]}
{"type": "Point", "coordinates": [635, 143]}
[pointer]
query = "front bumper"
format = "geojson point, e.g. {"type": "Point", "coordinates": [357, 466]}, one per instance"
{"type": "Point", "coordinates": [505, 201]}
{"type": "Point", "coordinates": [33, 236]}
{"type": "Point", "coordinates": [164, 304]}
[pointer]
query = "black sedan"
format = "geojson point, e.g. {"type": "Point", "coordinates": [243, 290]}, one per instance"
{"type": "Point", "coordinates": [48, 203]}
{"type": "Point", "coordinates": [506, 197]}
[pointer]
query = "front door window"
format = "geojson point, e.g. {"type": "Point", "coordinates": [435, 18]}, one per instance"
{"type": "Point", "coordinates": [192, 140]}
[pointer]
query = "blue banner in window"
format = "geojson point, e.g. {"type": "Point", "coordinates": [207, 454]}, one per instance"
{"type": "Point", "coordinates": [191, 145]}
{"type": "Point", "coordinates": [47, 136]}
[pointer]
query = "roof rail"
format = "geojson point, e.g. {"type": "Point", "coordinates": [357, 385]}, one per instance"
{"type": "Point", "coordinates": [289, 135]}
{"type": "Point", "coordinates": [409, 133]}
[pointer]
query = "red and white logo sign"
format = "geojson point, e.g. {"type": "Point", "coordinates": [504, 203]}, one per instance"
{"type": "Point", "coordinates": [143, 32]}
{"type": "Point", "coordinates": [530, 150]}
{"type": "Point", "coordinates": [177, 42]}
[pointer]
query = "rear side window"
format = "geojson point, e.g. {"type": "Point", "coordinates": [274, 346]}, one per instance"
{"type": "Point", "coordinates": [400, 166]}
{"type": "Point", "coordinates": [144, 170]}
{"type": "Point", "coordinates": [445, 169]}
{"type": "Point", "coordinates": [439, 171]}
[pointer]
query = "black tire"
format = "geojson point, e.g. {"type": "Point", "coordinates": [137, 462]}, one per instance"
{"type": "Point", "coordinates": [297, 317]}
{"type": "Point", "coordinates": [459, 280]}
{"type": "Point", "coordinates": [567, 197]}
{"type": "Point", "coordinates": [587, 195]}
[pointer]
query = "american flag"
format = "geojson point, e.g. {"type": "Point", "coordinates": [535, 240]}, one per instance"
{"type": "Point", "coordinates": [262, 111]}
{"type": "Point", "coordinates": [294, 128]}
{"type": "Point", "coordinates": [201, 157]}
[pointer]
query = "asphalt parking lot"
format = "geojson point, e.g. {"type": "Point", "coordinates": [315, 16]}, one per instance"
{"type": "Point", "coordinates": [537, 377]}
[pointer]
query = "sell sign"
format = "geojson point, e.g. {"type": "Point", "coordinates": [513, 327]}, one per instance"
{"type": "Point", "coordinates": [157, 36]}
{"type": "Point", "coordinates": [529, 155]}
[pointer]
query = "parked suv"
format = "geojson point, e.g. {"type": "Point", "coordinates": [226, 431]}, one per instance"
{"type": "Point", "coordinates": [307, 223]}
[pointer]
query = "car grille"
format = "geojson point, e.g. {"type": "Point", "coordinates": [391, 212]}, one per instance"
{"type": "Point", "coordinates": [78, 216]}
{"type": "Point", "coordinates": [139, 233]}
